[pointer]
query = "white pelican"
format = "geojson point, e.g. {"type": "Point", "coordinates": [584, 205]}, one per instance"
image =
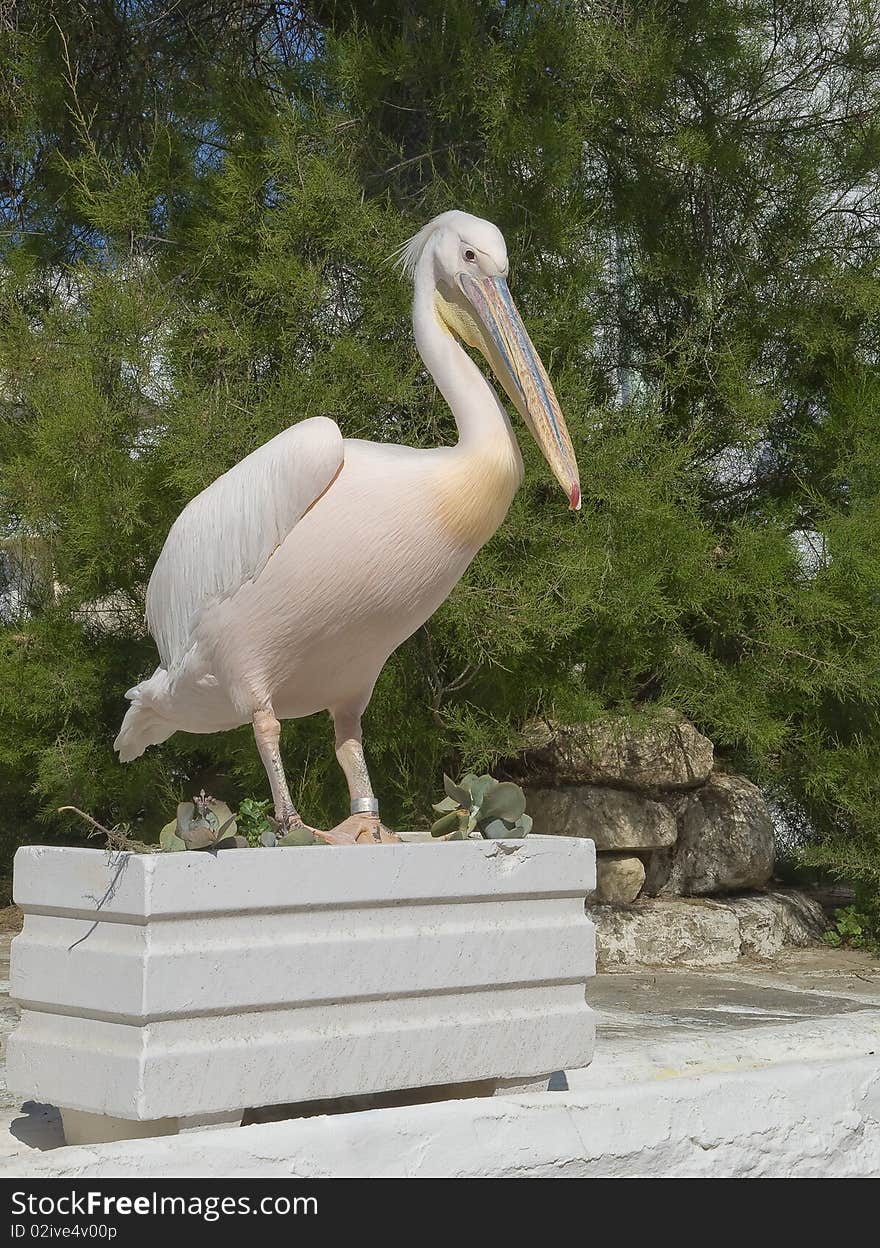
{"type": "Point", "coordinates": [283, 588]}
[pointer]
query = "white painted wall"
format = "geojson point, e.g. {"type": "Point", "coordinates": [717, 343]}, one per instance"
{"type": "Point", "coordinates": [803, 1119]}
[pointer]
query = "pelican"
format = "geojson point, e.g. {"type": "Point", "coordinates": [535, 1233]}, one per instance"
{"type": "Point", "coordinates": [284, 587]}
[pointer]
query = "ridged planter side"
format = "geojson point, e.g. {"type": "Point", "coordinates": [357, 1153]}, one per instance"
{"type": "Point", "coordinates": [159, 989]}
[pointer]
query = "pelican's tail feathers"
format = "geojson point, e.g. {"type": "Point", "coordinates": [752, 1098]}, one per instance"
{"type": "Point", "coordinates": [144, 724]}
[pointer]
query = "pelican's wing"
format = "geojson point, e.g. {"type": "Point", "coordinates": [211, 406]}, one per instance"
{"type": "Point", "coordinates": [225, 535]}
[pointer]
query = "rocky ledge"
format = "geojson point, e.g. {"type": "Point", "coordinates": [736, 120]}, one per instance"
{"type": "Point", "coordinates": [691, 931]}
{"type": "Point", "coordinates": [682, 846]}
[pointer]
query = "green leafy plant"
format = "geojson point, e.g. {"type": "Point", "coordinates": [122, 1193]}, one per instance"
{"type": "Point", "coordinates": [851, 928]}
{"type": "Point", "coordinates": [205, 823]}
{"type": "Point", "coordinates": [252, 820]}
{"type": "Point", "coordinates": [481, 806]}
{"type": "Point", "coordinates": [202, 824]}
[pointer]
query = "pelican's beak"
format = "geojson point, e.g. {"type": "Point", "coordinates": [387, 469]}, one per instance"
{"type": "Point", "coordinates": [523, 376]}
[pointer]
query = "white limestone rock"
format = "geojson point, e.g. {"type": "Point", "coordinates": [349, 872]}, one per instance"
{"type": "Point", "coordinates": [619, 878]}
{"type": "Point", "coordinates": [667, 754]}
{"type": "Point", "coordinates": [690, 931]}
{"type": "Point", "coordinates": [665, 933]}
{"type": "Point", "coordinates": [725, 841]}
{"type": "Point", "coordinates": [768, 922]}
{"type": "Point", "coordinates": [614, 818]}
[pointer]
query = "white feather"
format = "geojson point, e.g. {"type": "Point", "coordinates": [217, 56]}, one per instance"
{"type": "Point", "coordinates": [406, 257]}
{"type": "Point", "coordinates": [225, 535]}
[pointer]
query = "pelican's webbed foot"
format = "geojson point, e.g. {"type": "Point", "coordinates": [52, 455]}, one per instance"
{"type": "Point", "coordinates": [360, 829]}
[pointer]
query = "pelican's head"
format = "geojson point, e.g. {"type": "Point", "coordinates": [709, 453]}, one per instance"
{"type": "Point", "coordinates": [472, 300]}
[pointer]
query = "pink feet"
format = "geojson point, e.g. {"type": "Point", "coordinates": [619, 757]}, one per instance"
{"type": "Point", "coordinates": [358, 830]}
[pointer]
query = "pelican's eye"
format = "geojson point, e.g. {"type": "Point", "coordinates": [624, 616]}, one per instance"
{"type": "Point", "coordinates": [469, 255]}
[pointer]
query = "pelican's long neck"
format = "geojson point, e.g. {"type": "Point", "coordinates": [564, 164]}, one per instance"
{"type": "Point", "coordinates": [476, 407]}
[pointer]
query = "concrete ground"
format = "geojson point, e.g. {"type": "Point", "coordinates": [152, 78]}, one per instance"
{"type": "Point", "coordinates": [776, 1025]}
{"type": "Point", "coordinates": [808, 1004]}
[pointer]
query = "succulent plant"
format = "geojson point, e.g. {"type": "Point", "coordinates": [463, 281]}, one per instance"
{"type": "Point", "coordinates": [296, 836]}
{"type": "Point", "coordinates": [481, 806]}
{"type": "Point", "coordinates": [202, 824]}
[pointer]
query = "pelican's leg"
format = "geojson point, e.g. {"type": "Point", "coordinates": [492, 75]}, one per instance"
{"type": "Point", "coordinates": [267, 732]}
{"type": "Point", "coordinates": [363, 826]}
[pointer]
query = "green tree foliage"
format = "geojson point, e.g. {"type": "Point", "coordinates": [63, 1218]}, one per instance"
{"type": "Point", "coordinates": [198, 199]}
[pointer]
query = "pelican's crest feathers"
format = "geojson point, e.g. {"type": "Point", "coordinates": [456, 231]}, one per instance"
{"type": "Point", "coordinates": [407, 256]}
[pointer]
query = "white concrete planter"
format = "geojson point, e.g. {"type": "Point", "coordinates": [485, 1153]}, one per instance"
{"type": "Point", "coordinates": [168, 989]}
